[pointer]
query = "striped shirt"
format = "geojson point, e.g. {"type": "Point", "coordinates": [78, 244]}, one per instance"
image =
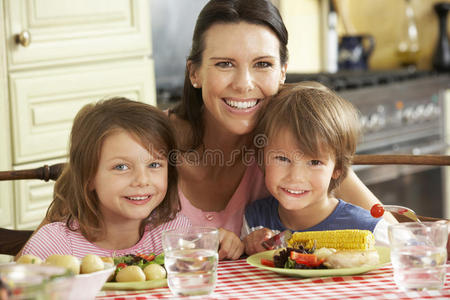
{"type": "Point", "coordinates": [57, 238]}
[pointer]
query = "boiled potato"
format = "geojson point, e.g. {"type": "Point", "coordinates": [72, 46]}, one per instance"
{"type": "Point", "coordinates": [91, 263]}
{"type": "Point", "coordinates": [154, 271]}
{"type": "Point", "coordinates": [29, 259]}
{"type": "Point", "coordinates": [130, 273]}
{"type": "Point", "coordinates": [108, 260]}
{"type": "Point", "coordinates": [67, 261]}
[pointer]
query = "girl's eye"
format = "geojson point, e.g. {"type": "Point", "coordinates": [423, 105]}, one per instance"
{"type": "Point", "coordinates": [315, 162]}
{"type": "Point", "coordinates": [263, 64]}
{"type": "Point", "coordinates": [154, 165]}
{"type": "Point", "coordinates": [282, 158]}
{"type": "Point", "coordinates": [121, 167]}
{"type": "Point", "coordinates": [224, 64]}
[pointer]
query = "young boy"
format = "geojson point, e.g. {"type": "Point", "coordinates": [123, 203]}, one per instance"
{"type": "Point", "coordinates": [311, 136]}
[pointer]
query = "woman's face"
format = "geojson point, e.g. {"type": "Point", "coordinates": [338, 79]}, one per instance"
{"type": "Point", "coordinates": [240, 68]}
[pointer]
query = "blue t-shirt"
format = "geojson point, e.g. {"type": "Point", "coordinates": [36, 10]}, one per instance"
{"type": "Point", "coordinates": [264, 212]}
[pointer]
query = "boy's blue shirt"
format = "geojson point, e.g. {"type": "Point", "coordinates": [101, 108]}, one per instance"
{"type": "Point", "coordinates": [264, 212]}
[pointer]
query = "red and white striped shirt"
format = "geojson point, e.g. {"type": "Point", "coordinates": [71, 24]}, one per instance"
{"type": "Point", "coordinates": [57, 238]}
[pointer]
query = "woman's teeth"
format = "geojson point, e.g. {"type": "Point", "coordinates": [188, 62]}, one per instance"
{"type": "Point", "coordinates": [241, 104]}
{"type": "Point", "coordinates": [138, 198]}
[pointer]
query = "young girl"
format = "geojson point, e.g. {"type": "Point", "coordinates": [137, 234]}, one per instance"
{"type": "Point", "coordinates": [311, 136]}
{"type": "Point", "coordinates": [119, 190]}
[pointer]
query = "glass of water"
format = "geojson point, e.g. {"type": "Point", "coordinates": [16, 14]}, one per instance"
{"type": "Point", "coordinates": [190, 258]}
{"type": "Point", "coordinates": [419, 254]}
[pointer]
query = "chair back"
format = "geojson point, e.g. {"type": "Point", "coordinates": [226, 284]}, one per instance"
{"type": "Point", "coordinates": [12, 241]}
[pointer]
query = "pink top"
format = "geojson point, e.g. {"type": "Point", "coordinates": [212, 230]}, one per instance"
{"type": "Point", "coordinates": [250, 188]}
{"type": "Point", "coordinates": [56, 238]}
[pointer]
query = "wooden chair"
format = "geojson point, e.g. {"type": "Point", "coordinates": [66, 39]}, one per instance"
{"type": "Point", "coordinates": [11, 241]}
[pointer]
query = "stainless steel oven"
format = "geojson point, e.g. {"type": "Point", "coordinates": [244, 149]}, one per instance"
{"type": "Point", "coordinates": [401, 113]}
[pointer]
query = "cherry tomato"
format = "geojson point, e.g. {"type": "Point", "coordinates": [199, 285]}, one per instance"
{"type": "Point", "coordinates": [377, 211]}
{"type": "Point", "coordinates": [267, 262]}
{"type": "Point", "coordinates": [121, 266]}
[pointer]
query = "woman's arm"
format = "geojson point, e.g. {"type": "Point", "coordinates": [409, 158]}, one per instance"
{"type": "Point", "coordinates": [353, 190]}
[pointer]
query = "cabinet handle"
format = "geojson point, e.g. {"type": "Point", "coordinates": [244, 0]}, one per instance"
{"type": "Point", "coordinates": [23, 38]}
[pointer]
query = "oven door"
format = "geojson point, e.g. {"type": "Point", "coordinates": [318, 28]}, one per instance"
{"type": "Point", "coordinates": [418, 187]}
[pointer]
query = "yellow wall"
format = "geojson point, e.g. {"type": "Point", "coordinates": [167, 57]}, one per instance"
{"type": "Point", "coordinates": [383, 19]}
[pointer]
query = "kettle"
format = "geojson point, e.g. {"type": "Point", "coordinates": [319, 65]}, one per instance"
{"type": "Point", "coordinates": [354, 51]}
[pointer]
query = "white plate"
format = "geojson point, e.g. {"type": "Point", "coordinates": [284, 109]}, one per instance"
{"type": "Point", "coordinates": [255, 260]}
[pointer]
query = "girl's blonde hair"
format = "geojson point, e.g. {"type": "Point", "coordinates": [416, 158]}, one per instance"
{"type": "Point", "coordinates": [73, 199]}
{"type": "Point", "coordinates": [318, 118]}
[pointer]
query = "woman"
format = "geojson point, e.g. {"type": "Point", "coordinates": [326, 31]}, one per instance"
{"type": "Point", "coordinates": [238, 59]}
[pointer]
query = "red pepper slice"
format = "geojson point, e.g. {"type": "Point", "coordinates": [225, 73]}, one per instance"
{"type": "Point", "coordinates": [121, 266]}
{"type": "Point", "coordinates": [267, 262]}
{"type": "Point", "coordinates": [309, 260]}
{"type": "Point", "coordinates": [146, 257]}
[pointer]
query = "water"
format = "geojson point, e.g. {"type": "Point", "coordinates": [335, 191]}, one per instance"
{"type": "Point", "coordinates": [191, 272]}
{"type": "Point", "coordinates": [419, 268]}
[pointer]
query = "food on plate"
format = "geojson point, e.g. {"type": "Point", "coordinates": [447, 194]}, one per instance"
{"type": "Point", "coordinates": [107, 260]}
{"type": "Point", "coordinates": [130, 273]}
{"type": "Point", "coordinates": [327, 249]}
{"type": "Point", "coordinates": [150, 267]}
{"type": "Point", "coordinates": [29, 259]}
{"type": "Point", "coordinates": [347, 239]}
{"type": "Point", "coordinates": [67, 261]}
{"type": "Point", "coordinates": [91, 263]}
{"type": "Point", "coordinates": [154, 271]}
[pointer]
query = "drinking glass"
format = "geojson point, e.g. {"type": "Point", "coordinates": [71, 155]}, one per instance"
{"type": "Point", "coordinates": [419, 254]}
{"type": "Point", "coordinates": [191, 260]}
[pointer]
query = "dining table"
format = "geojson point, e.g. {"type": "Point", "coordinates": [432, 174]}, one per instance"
{"type": "Point", "coordinates": [239, 280]}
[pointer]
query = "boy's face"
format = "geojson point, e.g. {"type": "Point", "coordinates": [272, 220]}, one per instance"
{"type": "Point", "coordinates": [294, 179]}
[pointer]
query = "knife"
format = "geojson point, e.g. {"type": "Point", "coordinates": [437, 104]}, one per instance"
{"type": "Point", "coordinates": [277, 241]}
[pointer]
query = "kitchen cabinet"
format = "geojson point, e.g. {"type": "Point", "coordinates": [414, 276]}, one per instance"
{"type": "Point", "coordinates": [56, 56]}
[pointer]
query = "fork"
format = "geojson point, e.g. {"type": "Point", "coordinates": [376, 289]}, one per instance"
{"type": "Point", "coordinates": [378, 210]}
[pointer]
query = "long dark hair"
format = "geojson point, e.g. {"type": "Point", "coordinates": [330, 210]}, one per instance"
{"type": "Point", "coordinates": [73, 199]}
{"type": "Point", "coordinates": [261, 12]}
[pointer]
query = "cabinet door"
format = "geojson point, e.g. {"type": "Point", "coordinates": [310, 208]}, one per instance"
{"type": "Point", "coordinates": [44, 102]}
{"type": "Point", "coordinates": [66, 31]}
{"type": "Point", "coordinates": [32, 198]}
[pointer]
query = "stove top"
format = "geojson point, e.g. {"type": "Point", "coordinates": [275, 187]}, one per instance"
{"type": "Point", "coordinates": [359, 79]}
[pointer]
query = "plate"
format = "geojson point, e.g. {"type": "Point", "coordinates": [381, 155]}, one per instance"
{"type": "Point", "coordinates": [255, 260]}
{"type": "Point", "coordinates": [136, 285]}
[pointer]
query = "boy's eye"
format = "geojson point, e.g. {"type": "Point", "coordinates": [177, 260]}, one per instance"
{"type": "Point", "coordinates": [315, 162]}
{"type": "Point", "coordinates": [263, 64]}
{"type": "Point", "coordinates": [282, 158]}
{"type": "Point", "coordinates": [224, 64]}
{"type": "Point", "coordinates": [154, 165]}
{"type": "Point", "coordinates": [121, 167]}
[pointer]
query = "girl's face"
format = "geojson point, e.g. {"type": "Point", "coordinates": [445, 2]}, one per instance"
{"type": "Point", "coordinates": [130, 181]}
{"type": "Point", "coordinates": [296, 180]}
{"type": "Point", "coordinates": [240, 68]}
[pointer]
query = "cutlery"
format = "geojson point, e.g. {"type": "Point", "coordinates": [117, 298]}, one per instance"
{"type": "Point", "coordinates": [378, 210]}
{"type": "Point", "coordinates": [277, 241]}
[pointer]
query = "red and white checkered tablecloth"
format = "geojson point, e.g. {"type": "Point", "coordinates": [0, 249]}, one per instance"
{"type": "Point", "coordinates": [239, 280]}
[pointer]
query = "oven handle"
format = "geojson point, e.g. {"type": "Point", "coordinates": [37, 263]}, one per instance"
{"type": "Point", "coordinates": [424, 155]}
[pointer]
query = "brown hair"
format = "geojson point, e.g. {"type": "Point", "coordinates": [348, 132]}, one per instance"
{"type": "Point", "coordinates": [73, 199]}
{"type": "Point", "coordinates": [318, 118]}
{"type": "Point", "coordinates": [261, 12]}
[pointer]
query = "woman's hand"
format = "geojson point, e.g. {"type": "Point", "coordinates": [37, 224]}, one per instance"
{"type": "Point", "coordinates": [253, 241]}
{"type": "Point", "coordinates": [230, 245]}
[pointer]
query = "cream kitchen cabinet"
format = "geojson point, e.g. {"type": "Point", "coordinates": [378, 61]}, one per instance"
{"type": "Point", "coordinates": [56, 56]}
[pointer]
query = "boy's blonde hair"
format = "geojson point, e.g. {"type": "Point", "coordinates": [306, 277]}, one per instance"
{"type": "Point", "coordinates": [74, 200]}
{"type": "Point", "coordinates": [320, 120]}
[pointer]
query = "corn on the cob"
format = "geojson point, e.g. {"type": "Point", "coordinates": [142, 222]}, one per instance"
{"type": "Point", "coordinates": [338, 239]}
